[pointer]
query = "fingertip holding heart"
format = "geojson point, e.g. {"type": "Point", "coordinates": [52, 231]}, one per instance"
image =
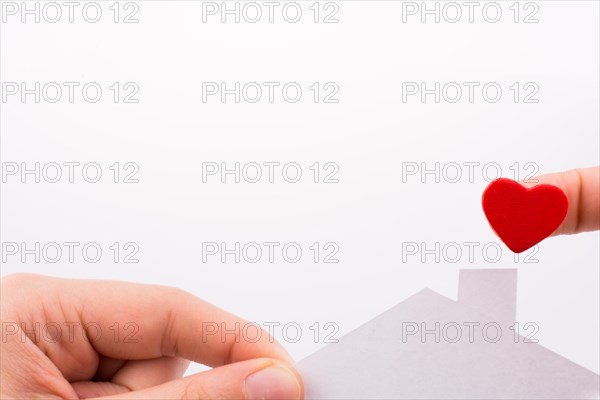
{"type": "Point", "coordinates": [520, 216]}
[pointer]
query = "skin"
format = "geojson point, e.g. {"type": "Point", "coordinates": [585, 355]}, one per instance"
{"type": "Point", "coordinates": [145, 360]}
{"type": "Point", "coordinates": [170, 325]}
{"type": "Point", "coordinates": [582, 187]}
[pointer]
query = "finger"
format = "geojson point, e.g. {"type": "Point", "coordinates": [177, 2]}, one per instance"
{"type": "Point", "coordinates": [134, 375]}
{"type": "Point", "coordinates": [130, 321]}
{"type": "Point", "coordinates": [252, 379]}
{"type": "Point", "coordinates": [142, 374]}
{"type": "Point", "coordinates": [582, 187]}
{"type": "Point", "coordinates": [90, 389]}
{"type": "Point", "coordinates": [158, 321]}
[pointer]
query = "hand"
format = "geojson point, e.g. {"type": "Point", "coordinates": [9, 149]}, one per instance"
{"type": "Point", "coordinates": [80, 339]}
{"type": "Point", "coordinates": [582, 187]}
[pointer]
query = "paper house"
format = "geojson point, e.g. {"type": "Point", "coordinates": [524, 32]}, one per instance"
{"type": "Point", "coordinates": [431, 347]}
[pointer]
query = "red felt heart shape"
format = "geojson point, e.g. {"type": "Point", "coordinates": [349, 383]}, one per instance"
{"type": "Point", "coordinates": [522, 217]}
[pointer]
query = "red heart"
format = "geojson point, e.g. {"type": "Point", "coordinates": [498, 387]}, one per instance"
{"type": "Point", "coordinates": [522, 217]}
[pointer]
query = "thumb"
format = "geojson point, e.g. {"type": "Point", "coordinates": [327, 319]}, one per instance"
{"type": "Point", "coordinates": [582, 187]}
{"type": "Point", "coordinates": [261, 378]}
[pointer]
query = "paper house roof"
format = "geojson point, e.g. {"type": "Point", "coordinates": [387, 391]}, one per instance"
{"type": "Point", "coordinates": [431, 347]}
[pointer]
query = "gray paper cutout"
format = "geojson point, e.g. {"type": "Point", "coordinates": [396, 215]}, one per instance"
{"type": "Point", "coordinates": [490, 291]}
{"type": "Point", "coordinates": [381, 360]}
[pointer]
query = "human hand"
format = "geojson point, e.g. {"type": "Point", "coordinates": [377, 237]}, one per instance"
{"type": "Point", "coordinates": [76, 339]}
{"type": "Point", "coordinates": [582, 187]}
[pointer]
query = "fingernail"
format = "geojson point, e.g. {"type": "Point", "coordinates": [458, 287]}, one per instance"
{"type": "Point", "coordinates": [274, 382]}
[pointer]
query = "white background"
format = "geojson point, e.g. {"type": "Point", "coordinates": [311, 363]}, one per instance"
{"type": "Point", "coordinates": [369, 134]}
